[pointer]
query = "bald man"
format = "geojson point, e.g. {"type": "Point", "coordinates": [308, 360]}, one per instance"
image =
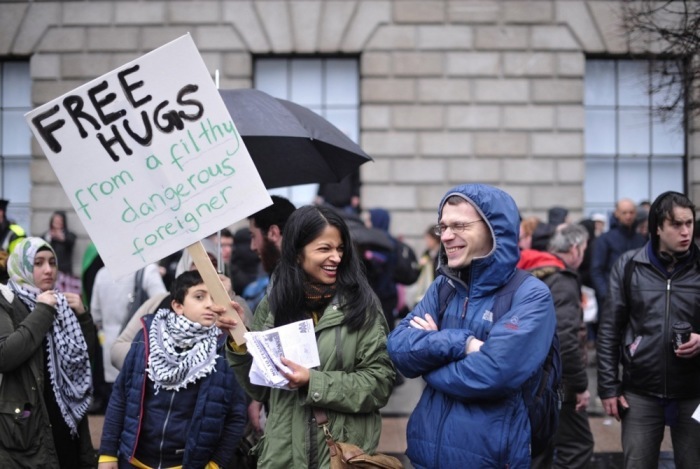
{"type": "Point", "coordinates": [609, 246]}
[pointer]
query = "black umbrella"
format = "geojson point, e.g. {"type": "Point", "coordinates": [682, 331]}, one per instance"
{"type": "Point", "coordinates": [291, 144]}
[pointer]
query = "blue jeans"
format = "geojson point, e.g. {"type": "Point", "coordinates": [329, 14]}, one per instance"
{"type": "Point", "coordinates": [643, 430]}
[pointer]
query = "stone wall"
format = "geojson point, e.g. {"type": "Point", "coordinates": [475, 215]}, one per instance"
{"type": "Point", "coordinates": [451, 91]}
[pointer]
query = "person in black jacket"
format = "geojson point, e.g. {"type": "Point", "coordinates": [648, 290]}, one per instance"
{"type": "Point", "coordinates": [573, 442]}
{"type": "Point", "coordinates": [609, 246]}
{"type": "Point", "coordinates": [650, 290]}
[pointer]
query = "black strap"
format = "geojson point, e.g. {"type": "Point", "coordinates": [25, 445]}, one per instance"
{"type": "Point", "coordinates": [135, 297]}
{"type": "Point", "coordinates": [503, 296]}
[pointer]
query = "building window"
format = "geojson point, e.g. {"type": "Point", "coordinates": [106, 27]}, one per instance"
{"type": "Point", "coordinates": [15, 139]}
{"type": "Point", "coordinates": [327, 86]}
{"type": "Point", "coordinates": [630, 150]}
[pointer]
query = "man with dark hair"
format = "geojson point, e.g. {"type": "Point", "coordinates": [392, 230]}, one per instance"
{"type": "Point", "coordinates": [266, 228]}
{"type": "Point", "coordinates": [266, 231]}
{"type": "Point", "coordinates": [654, 291]}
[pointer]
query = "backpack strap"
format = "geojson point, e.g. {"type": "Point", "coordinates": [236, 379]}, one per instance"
{"type": "Point", "coordinates": [502, 304]}
{"type": "Point", "coordinates": [627, 278]}
{"type": "Point", "coordinates": [504, 295]}
{"type": "Point", "coordinates": [445, 294]}
{"type": "Point", "coordinates": [627, 284]}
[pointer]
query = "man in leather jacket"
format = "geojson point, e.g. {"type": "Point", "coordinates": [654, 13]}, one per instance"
{"type": "Point", "coordinates": [651, 289]}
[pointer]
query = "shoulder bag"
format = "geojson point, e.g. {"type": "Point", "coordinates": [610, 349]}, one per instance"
{"type": "Point", "coordinates": [347, 455]}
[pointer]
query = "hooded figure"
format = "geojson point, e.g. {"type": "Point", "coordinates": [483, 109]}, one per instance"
{"type": "Point", "coordinates": [471, 412]}
{"type": "Point", "coordinates": [556, 216]}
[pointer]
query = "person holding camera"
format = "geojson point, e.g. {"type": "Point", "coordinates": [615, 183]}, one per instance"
{"type": "Point", "coordinates": [653, 291]}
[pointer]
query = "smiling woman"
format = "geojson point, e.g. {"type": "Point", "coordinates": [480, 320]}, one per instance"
{"type": "Point", "coordinates": [319, 276]}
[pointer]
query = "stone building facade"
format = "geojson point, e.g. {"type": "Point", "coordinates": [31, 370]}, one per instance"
{"type": "Point", "coordinates": [451, 91]}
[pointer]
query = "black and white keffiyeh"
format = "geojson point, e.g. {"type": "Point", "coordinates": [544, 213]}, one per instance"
{"type": "Point", "coordinates": [181, 351]}
{"type": "Point", "coordinates": [68, 361]}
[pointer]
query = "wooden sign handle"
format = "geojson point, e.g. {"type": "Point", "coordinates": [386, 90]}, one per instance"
{"type": "Point", "coordinates": [216, 288]}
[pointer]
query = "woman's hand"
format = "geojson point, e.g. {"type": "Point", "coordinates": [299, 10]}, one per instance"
{"type": "Point", "coordinates": [76, 303]}
{"type": "Point", "coordinates": [299, 377]}
{"type": "Point", "coordinates": [47, 297]}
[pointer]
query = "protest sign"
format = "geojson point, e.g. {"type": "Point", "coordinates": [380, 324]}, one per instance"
{"type": "Point", "coordinates": [149, 157]}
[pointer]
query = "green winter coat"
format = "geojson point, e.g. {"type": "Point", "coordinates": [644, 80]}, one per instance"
{"type": "Point", "coordinates": [26, 441]}
{"type": "Point", "coordinates": [29, 443]}
{"type": "Point", "coordinates": [351, 395]}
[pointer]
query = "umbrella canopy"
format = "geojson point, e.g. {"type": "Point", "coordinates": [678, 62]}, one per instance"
{"type": "Point", "coordinates": [290, 144]}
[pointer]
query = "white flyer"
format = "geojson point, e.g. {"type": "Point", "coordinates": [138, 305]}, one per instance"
{"type": "Point", "coordinates": [295, 342]}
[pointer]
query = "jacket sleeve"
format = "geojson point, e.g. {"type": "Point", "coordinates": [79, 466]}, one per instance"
{"type": "Point", "coordinates": [612, 323]}
{"type": "Point", "coordinates": [599, 261]}
{"type": "Point", "coordinates": [96, 301]}
{"type": "Point", "coordinates": [18, 345]}
{"type": "Point", "coordinates": [515, 348]}
{"type": "Point", "coordinates": [566, 294]}
{"type": "Point", "coordinates": [234, 427]}
{"type": "Point", "coordinates": [416, 352]}
{"type": "Point", "coordinates": [367, 387]}
{"type": "Point", "coordinates": [152, 281]}
{"type": "Point", "coordinates": [121, 346]}
{"type": "Point", "coordinates": [114, 416]}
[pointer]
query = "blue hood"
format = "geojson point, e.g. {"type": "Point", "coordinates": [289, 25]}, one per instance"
{"type": "Point", "coordinates": [380, 218]}
{"type": "Point", "coordinates": [501, 214]}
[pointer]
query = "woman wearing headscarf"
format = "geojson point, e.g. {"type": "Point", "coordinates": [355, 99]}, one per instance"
{"type": "Point", "coordinates": [320, 277]}
{"type": "Point", "coordinates": [46, 389]}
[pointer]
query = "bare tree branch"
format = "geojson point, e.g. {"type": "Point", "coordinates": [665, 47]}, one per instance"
{"type": "Point", "coordinates": [670, 31]}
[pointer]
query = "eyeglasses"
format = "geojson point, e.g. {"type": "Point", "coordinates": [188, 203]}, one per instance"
{"type": "Point", "coordinates": [439, 229]}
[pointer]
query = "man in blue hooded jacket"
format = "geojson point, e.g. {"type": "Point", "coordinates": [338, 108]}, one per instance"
{"type": "Point", "coordinates": [471, 412]}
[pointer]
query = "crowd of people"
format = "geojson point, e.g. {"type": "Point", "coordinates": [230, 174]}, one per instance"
{"type": "Point", "coordinates": [152, 351]}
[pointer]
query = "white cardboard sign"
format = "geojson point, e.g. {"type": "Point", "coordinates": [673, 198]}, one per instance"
{"type": "Point", "coordinates": [149, 157]}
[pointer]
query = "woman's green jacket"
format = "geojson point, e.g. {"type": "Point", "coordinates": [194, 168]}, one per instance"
{"type": "Point", "coordinates": [351, 392]}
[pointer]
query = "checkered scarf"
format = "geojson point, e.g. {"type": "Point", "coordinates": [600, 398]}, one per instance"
{"type": "Point", "coordinates": [181, 351]}
{"type": "Point", "coordinates": [68, 360]}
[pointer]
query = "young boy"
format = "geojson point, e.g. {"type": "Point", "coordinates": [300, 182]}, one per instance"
{"type": "Point", "coordinates": [176, 402]}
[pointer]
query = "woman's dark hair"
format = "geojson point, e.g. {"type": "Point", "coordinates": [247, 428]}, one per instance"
{"type": "Point", "coordinates": [287, 294]}
{"type": "Point", "coordinates": [184, 282]}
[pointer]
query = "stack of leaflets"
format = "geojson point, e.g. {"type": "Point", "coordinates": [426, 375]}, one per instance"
{"type": "Point", "coordinates": [295, 342]}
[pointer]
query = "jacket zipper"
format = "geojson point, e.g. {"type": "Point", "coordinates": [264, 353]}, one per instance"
{"type": "Point", "coordinates": [464, 307]}
{"type": "Point", "coordinates": [440, 429]}
{"type": "Point", "coordinates": [165, 426]}
{"type": "Point", "coordinates": [665, 334]}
